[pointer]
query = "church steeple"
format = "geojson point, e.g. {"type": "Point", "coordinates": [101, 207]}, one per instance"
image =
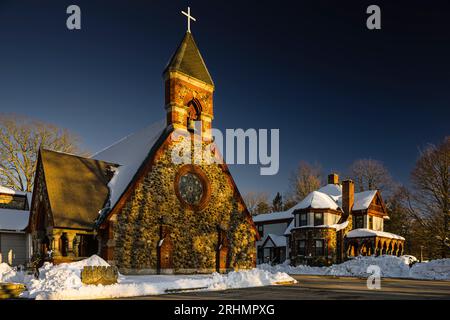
{"type": "Point", "coordinates": [188, 60]}
{"type": "Point", "coordinates": [189, 88]}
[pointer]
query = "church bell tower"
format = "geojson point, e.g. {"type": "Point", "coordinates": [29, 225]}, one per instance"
{"type": "Point", "coordinates": [188, 89]}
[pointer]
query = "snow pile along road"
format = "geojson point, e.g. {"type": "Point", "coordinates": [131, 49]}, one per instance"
{"type": "Point", "coordinates": [433, 270]}
{"type": "Point", "coordinates": [390, 266]}
{"type": "Point", "coordinates": [63, 282]}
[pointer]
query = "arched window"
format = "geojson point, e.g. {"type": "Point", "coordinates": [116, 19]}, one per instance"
{"type": "Point", "coordinates": [194, 113]}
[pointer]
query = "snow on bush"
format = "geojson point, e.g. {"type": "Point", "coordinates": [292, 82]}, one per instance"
{"type": "Point", "coordinates": [63, 281]}
{"type": "Point", "coordinates": [390, 266]}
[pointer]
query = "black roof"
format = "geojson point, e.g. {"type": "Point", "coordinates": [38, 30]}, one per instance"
{"type": "Point", "coordinates": [188, 60]}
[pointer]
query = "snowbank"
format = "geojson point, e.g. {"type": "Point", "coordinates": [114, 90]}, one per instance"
{"type": "Point", "coordinates": [8, 274]}
{"type": "Point", "coordinates": [390, 266]}
{"type": "Point", "coordinates": [64, 282]}
{"type": "Point", "coordinates": [432, 270]}
{"type": "Point", "coordinates": [5, 272]}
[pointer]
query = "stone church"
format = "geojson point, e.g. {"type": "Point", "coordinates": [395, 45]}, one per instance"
{"type": "Point", "coordinates": [132, 205]}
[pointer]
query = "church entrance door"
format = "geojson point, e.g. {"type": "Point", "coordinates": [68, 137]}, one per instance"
{"type": "Point", "coordinates": [221, 250]}
{"type": "Point", "coordinates": [164, 263]}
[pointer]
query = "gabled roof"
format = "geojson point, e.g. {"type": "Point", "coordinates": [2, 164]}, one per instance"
{"type": "Point", "coordinates": [188, 60]}
{"type": "Point", "coordinates": [276, 241]}
{"type": "Point", "coordinates": [77, 188]}
{"type": "Point", "coordinates": [333, 190]}
{"type": "Point", "coordinates": [129, 152]}
{"type": "Point", "coordinates": [363, 199]}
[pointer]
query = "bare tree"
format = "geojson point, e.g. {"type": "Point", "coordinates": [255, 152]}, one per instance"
{"type": "Point", "coordinates": [429, 202]}
{"type": "Point", "coordinates": [257, 202]}
{"type": "Point", "coordinates": [304, 180]}
{"type": "Point", "coordinates": [369, 174]}
{"type": "Point", "coordinates": [20, 140]}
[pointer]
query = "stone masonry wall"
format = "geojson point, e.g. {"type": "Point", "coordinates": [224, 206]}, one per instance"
{"type": "Point", "coordinates": [193, 234]}
{"type": "Point", "coordinates": [311, 234]}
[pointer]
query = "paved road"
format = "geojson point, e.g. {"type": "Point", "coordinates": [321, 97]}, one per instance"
{"type": "Point", "coordinates": [320, 287]}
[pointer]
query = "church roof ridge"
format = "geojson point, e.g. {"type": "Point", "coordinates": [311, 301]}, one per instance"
{"type": "Point", "coordinates": [187, 59]}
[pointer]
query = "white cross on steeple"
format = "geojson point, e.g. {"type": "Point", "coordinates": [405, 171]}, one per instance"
{"type": "Point", "coordinates": [189, 18]}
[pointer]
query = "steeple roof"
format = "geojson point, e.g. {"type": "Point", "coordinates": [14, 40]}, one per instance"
{"type": "Point", "coordinates": [188, 60]}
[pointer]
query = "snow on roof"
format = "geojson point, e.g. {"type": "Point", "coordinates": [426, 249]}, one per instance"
{"type": "Point", "coordinates": [11, 191]}
{"type": "Point", "coordinates": [278, 241]}
{"type": "Point", "coordinates": [13, 220]}
{"type": "Point", "coordinates": [327, 197]}
{"type": "Point", "coordinates": [358, 233]}
{"type": "Point", "coordinates": [337, 226]}
{"type": "Point", "coordinates": [333, 190]}
{"type": "Point", "coordinates": [363, 199]}
{"type": "Point", "coordinates": [317, 200]}
{"type": "Point", "coordinates": [273, 216]}
{"type": "Point", "coordinates": [6, 190]}
{"type": "Point", "coordinates": [129, 152]}
{"type": "Point", "coordinates": [289, 228]}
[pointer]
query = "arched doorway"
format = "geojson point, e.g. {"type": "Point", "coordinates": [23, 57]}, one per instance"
{"type": "Point", "coordinates": [221, 250]}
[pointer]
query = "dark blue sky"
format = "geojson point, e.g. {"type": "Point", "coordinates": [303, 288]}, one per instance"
{"type": "Point", "coordinates": [336, 90]}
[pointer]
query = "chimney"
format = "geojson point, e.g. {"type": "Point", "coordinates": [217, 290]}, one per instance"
{"type": "Point", "coordinates": [348, 196]}
{"type": "Point", "coordinates": [333, 178]}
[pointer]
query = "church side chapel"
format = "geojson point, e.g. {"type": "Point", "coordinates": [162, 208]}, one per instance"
{"type": "Point", "coordinates": [136, 208]}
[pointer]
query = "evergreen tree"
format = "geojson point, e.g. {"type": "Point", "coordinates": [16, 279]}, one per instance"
{"type": "Point", "coordinates": [277, 203]}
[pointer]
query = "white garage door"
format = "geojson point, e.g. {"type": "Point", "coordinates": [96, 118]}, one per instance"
{"type": "Point", "coordinates": [13, 248]}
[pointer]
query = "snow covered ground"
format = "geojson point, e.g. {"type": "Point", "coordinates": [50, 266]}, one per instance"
{"type": "Point", "coordinates": [391, 267]}
{"type": "Point", "coordinates": [63, 282]}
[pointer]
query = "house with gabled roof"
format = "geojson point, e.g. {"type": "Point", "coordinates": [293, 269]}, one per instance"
{"type": "Point", "coordinates": [15, 246]}
{"type": "Point", "coordinates": [272, 225]}
{"type": "Point", "coordinates": [330, 225]}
